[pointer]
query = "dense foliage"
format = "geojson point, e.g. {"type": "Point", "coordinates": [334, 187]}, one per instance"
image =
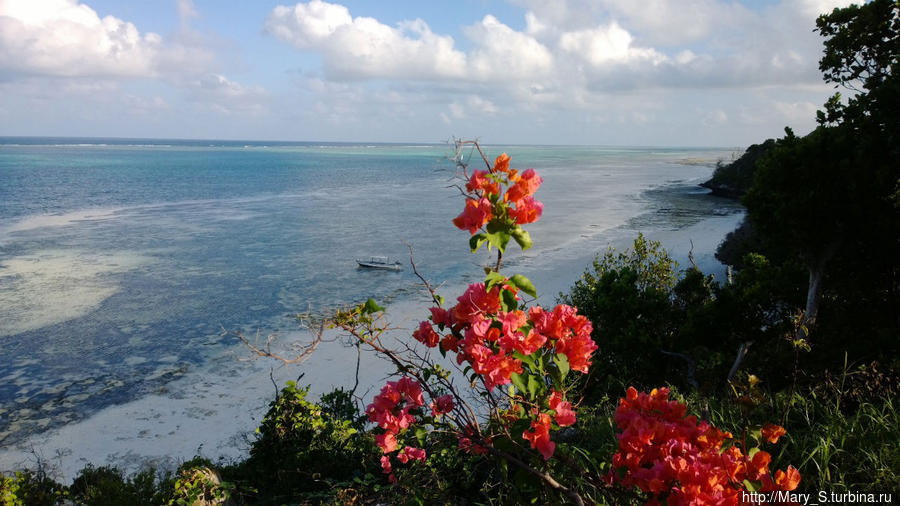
{"type": "Point", "coordinates": [827, 202]}
{"type": "Point", "coordinates": [735, 178]}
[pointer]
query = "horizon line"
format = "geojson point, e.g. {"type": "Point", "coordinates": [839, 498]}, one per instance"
{"type": "Point", "coordinates": [384, 143]}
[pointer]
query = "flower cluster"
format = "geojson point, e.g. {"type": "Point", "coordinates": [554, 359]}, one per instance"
{"type": "Point", "coordinates": [493, 341]}
{"type": "Point", "coordinates": [680, 460]}
{"type": "Point", "coordinates": [487, 202]}
{"type": "Point", "coordinates": [394, 411]}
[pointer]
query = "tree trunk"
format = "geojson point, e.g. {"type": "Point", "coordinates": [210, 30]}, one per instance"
{"type": "Point", "coordinates": [813, 294]}
{"type": "Point", "coordinates": [814, 290]}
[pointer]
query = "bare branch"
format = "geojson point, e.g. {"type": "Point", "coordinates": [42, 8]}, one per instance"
{"type": "Point", "coordinates": [412, 262]}
{"type": "Point", "coordinates": [266, 352]}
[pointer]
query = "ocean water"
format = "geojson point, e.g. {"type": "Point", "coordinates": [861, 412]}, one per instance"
{"type": "Point", "coordinates": [122, 261]}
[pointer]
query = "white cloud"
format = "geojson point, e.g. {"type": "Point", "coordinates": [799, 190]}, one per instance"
{"type": "Point", "coordinates": [67, 38]}
{"type": "Point", "coordinates": [186, 11]}
{"type": "Point", "coordinates": [795, 112]}
{"type": "Point", "coordinates": [502, 53]}
{"type": "Point", "coordinates": [221, 95]}
{"type": "Point", "coordinates": [607, 44]}
{"type": "Point", "coordinates": [816, 7]}
{"type": "Point", "coordinates": [365, 48]}
{"type": "Point", "coordinates": [308, 25]}
{"type": "Point", "coordinates": [362, 47]}
{"type": "Point", "coordinates": [471, 106]}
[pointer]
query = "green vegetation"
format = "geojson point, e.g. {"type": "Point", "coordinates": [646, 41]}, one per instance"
{"type": "Point", "coordinates": [735, 178]}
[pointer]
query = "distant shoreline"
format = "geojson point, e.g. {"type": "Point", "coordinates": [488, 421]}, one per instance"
{"type": "Point", "coordinates": [24, 140]}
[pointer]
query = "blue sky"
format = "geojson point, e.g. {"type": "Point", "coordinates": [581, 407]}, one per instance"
{"type": "Point", "coordinates": [609, 72]}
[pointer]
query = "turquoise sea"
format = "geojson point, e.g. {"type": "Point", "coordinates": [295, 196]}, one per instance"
{"type": "Point", "coordinates": [122, 261]}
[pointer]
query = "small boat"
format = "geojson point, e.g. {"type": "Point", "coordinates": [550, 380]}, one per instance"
{"type": "Point", "coordinates": [379, 263]}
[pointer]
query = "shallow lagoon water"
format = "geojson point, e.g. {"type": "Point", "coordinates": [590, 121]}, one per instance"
{"type": "Point", "coordinates": [122, 262]}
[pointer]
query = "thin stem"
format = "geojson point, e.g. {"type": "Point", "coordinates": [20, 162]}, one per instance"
{"type": "Point", "coordinates": [412, 262]}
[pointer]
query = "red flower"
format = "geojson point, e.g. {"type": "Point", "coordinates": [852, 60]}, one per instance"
{"type": "Point", "coordinates": [449, 343]}
{"type": "Point", "coordinates": [501, 164]}
{"type": "Point", "coordinates": [387, 442]}
{"type": "Point", "coordinates": [480, 182]}
{"type": "Point", "coordinates": [475, 303]}
{"type": "Point", "coordinates": [771, 432]}
{"type": "Point", "coordinates": [676, 458]}
{"type": "Point", "coordinates": [415, 453]}
{"type": "Point", "coordinates": [759, 464]}
{"type": "Point", "coordinates": [539, 437]}
{"type": "Point", "coordinates": [474, 215]}
{"type": "Point", "coordinates": [527, 211]}
{"type": "Point", "coordinates": [565, 416]}
{"type": "Point", "coordinates": [500, 369]}
{"type": "Point", "coordinates": [426, 335]}
{"type": "Point", "coordinates": [440, 316]}
{"type": "Point", "coordinates": [525, 186]}
{"type": "Point", "coordinates": [787, 480]}
{"type": "Point", "coordinates": [442, 405]}
{"type": "Point", "coordinates": [532, 343]}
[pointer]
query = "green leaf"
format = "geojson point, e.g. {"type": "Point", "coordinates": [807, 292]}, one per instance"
{"type": "Point", "coordinates": [476, 241]}
{"type": "Point", "coordinates": [421, 434]}
{"type": "Point", "coordinates": [533, 386]}
{"type": "Point", "coordinates": [526, 359]}
{"type": "Point", "coordinates": [752, 486]}
{"type": "Point", "coordinates": [519, 381]}
{"type": "Point", "coordinates": [509, 301]}
{"type": "Point", "coordinates": [498, 239]}
{"type": "Point", "coordinates": [756, 434]}
{"type": "Point", "coordinates": [522, 237]}
{"type": "Point", "coordinates": [562, 363]}
{"type": "Point", "coordinates": [523, 284]}
{"type": "Point", "coordinates": [371, 307]}
{"type": "Point", "coordinates": [493, 278]}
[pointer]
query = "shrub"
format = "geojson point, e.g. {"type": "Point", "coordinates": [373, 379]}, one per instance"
{"type": "Point", "coordinates": [305, 448]}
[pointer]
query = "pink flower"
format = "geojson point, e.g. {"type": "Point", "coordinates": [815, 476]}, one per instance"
{"type": "Point", "coordinates": [527, 211]}
{"type": "Point", "coordinates": [474, 215]}
{"type": "Point", "coordinates": [539, 436]}
{"type": "Point", "coordinates": [440, 316]}
{"type": "Point", "coordinates": [480, 182]}
{"type": "Point", "coordinates": [532, 343]}
{"type": "Point", "coordinates": [410, 453]}
{"type": "Point", "coordinates": [387, 442]}
{"type": "Point", "coordinates": [525, 186]}
{"type": "Point", "coordinates": [426, 335]}
{"type": "Point", "coordinates": [565, 416]}
{"type": "Point", "coordinates": [476, 302]}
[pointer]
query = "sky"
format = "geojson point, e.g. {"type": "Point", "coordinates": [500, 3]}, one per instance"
{"type": "Point", "coordinates": [593, 72]}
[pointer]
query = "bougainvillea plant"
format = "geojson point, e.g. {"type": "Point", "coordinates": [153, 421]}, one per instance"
{"type": "Point", "coordinates": [679, 460]}
{"type": "Point", "coordinates": [515, 358]}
